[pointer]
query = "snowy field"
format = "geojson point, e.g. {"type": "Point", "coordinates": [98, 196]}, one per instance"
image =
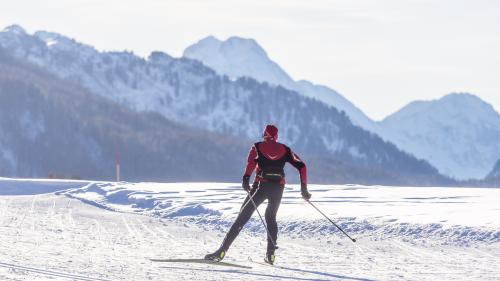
{"type": "Point", "coordinates": [78, 230]}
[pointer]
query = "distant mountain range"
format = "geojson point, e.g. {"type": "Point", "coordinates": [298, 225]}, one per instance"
{"type": "Point", "coordinates": [160, 109]}
{"type": "Point", "coordinates": [459, 134]}
{"type": "Point", "coordinates": [192, 99]}
{"type": "Point", "coordinates": [238, 57]}
{"type": "Point", "coordinates": [52, 127]}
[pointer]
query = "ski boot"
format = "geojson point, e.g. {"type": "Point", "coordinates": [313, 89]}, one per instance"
{"type": "Point", "coordinates": [216, 256]}
{"type": "Point", "coordinates": [270, 257]}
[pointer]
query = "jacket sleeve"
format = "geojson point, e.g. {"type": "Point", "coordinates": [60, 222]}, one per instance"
{"type": "Point", "coordinates": [299, 165]}
{"type": "Point", "coordinates": [251, 161]}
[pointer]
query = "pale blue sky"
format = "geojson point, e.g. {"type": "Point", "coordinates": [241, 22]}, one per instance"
{"type": "Point", "coordinates": [380, 54]}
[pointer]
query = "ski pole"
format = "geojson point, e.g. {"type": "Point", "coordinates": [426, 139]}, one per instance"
{"type": "Point", "coordinates": [263, 223]}
{"type": "Point", "coordinates": [251, 196]}
{"type": "Point", "coordinates": [352, 239]}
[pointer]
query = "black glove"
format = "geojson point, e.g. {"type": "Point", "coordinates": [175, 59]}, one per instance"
{"type": "Point", "coordinates": [303, 190]}
{"type": "Point", "coordinates": [246, 183]}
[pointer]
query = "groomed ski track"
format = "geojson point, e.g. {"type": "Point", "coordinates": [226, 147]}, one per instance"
{"type": "Point", "coordinates": [51, 233]}
{"type": "Point", "coordinates": [49, 272]}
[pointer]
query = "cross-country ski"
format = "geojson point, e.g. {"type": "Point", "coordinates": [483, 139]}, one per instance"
{"type": "Point", "coordinates": [203, 261]}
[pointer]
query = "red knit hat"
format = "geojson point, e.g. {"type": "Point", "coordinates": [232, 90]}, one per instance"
{"type": "Point", "coordinates": [270, 132]}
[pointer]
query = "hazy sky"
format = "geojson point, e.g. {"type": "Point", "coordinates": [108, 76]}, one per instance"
{"type": "Point", "coordinates": [380, 54]}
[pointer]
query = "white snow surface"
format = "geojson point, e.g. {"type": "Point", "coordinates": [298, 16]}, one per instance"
{"type": "Point", "coordinates": [108, 231]}
{"type": "Point", "coordinates": [449, 213]}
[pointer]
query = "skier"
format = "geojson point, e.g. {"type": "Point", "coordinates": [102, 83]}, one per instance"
{"type": "Point", "coordinates": [268, 158]}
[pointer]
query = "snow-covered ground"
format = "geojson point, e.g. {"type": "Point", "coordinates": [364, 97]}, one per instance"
{"type": "Point", "coordinates": [78, 230]}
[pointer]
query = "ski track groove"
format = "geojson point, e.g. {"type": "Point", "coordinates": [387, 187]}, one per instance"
{"type": "Point", "coordinates": [134, 231]}
{"type": "Point", "coordinates": [33, 220]}
{"type": "Point", "coordinates": [50, 272]}
{"type": "Point", "coordinates": [145, 227]}
{"type": "Point", "coordinates": [167, 235]}
{"type": "Point", "coordinates": [128, 227]}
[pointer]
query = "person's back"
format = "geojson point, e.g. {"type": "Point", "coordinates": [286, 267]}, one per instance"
{"type": "Point", "coordinates": [272, 149]}
{"type": "Point", "coordinates": [268, 159]}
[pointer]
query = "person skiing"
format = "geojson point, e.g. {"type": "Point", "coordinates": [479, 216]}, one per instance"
{"type": "Point", "coordinates": [268, 159]}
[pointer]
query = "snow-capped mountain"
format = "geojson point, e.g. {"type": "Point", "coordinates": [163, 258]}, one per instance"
{"type": "Point", "coordinates": [240, 57]}
{"type": "Point", "coordinates": [44, 119]}
{"type": "Point", "coordinates": [237, 57]}
{"type": "Point", "coordinates": [459, 149]}
{"type": "Point", "coordinates": [188, 92]}
{"type": "Point", "coordinates": [459, 134]}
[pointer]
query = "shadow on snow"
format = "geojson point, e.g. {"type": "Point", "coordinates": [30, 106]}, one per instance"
{"type": "Point", "coordinates": [275, 276]}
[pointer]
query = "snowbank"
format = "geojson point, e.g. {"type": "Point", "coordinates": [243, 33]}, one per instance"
{"type": "Point", "coordinates": [448, 215]}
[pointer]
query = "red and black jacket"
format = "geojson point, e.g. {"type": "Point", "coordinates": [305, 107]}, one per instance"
{"type": "Point", "coordinates": [270, 154]}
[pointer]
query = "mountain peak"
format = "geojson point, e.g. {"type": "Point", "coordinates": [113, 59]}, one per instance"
{"type": "Point", "coordinates": [458, 133]}
{"type": "Point", "coordinates": [466, 100]}
{"type": "Point", "coordinates": [242, 44]}
{"type": "Point", "coordinates": [238, 57]}
{"type": "Point", "coordinates": [449, 105]}
{"type": "Point", "coordinates": [45, 35]}
{"type": "Point", "coordinates": [159, 57]}
{"type": "Point", "coordinates": [205, 42]}
{"type": "Point", "coordinates": [232, 45]}
{"type": "Point", "coordinates": [210, 39]}
{"type": "Point", "coordinates": [16, 29]}
{"type": "Point", "coordinates": [244, 57]}
{"type": "Point", "coordinates": [51, 38]}
{"type": "Point", "coordinates": [461, 97]}
{"type": "Point", "coordinates": [465, 104]}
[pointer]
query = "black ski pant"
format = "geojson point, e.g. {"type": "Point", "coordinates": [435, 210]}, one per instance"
{"type": "Point", "coordinates": [264, 190]}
